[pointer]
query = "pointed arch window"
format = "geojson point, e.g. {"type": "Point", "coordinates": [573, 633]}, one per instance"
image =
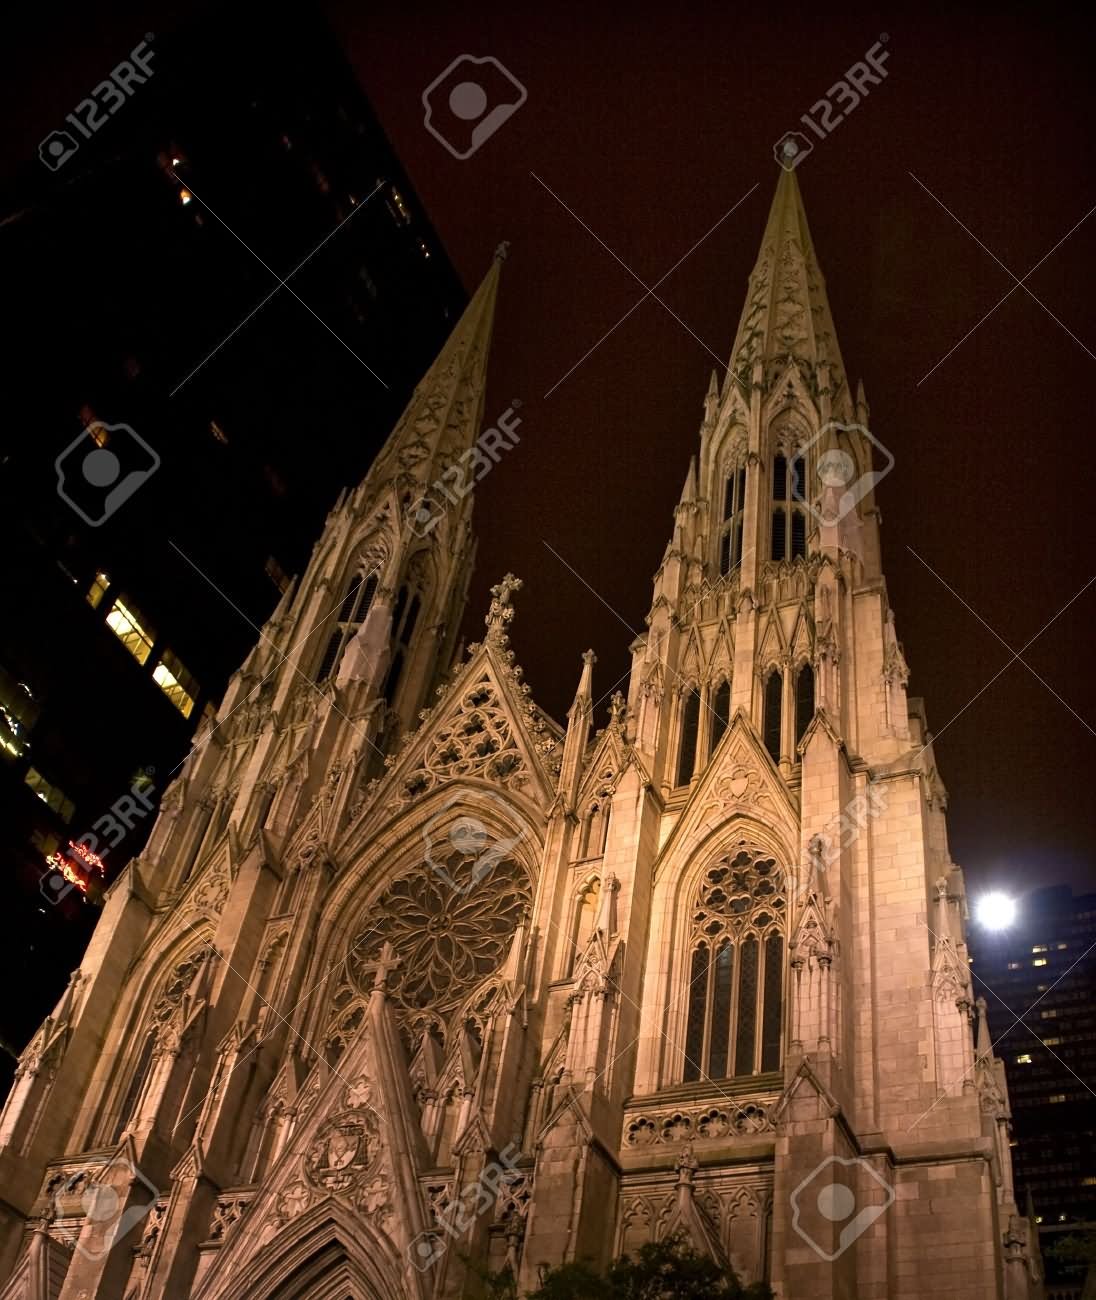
{"type": "Point", "coordinates": [804, 700]}
{"type": "Point", "coordinates": [788, 536]}
{"type": "Point", "coordinates": [405, 617]}
{"type": "Point", "coordinates": [690, 726]}
{"type": "Point", "coordinates": [721, 713]}
{"type": "Point", "coordinates": [137, 1082]}
{"type": "Point", "coordinates": [733, 1026]}
{"type": "Point", "coordinates": [773, 705]}
{"type": "Point", "coordinates": [355, 605]}
{"type": "Point", "coordinates": [734, 513]}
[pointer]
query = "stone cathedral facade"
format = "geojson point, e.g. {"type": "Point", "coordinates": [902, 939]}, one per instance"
{"type": "Point", "coordinates": [414, 982]}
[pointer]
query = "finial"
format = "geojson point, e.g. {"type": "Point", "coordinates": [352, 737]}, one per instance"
{"type": "Point", "coordinates": [502, 251]}
{"type": "Point", "coordinates": [617, 706]}
{"type": "Point", "coordinates": [501, 613]}
{"type": "Point", "coordinates": [589, 658]}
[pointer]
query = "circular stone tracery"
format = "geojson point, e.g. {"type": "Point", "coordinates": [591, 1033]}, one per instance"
{"type": "Point", "coordinates": [451, 926]}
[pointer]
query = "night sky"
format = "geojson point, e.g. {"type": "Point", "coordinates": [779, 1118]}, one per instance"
{"type": "Point", "coordinates": [650, 129]}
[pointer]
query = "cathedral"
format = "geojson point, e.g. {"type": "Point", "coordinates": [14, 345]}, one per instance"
{"type": "Point", "coordinates": [414, 984]}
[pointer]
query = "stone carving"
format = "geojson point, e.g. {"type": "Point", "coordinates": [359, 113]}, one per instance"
{"type": "Point", "coordinates": [448, 937]}
{"type": "Point", "coordinates": [341, 1153]}
{"type": "Point", "coordinates": [740, 892]}
{"type": "Point", "coordinates": [227, 1213]}
{"type": "Point", "coordinates": [700, 1124]}
{"type": "Point", "coordinates": [477, 740]}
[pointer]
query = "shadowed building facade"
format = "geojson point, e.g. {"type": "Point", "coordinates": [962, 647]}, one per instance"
{"type": "Point", "coordinates": [413, 983]}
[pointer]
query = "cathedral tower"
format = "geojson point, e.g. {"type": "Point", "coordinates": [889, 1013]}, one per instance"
{"type": "Point", "coordinates": [413, 984]}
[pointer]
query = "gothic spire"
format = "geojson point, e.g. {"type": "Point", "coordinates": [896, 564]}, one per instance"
{"type": "Point", "coordinates": [786, 315]}
{"type": "Point", "coordinates": [443, 416]}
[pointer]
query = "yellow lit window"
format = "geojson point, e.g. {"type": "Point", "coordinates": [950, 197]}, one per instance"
{"type": "Point", "coordinates": [50, 794]}
{"type": "Point", "coordinates": [1025, 1059]}
{"type": "Point", "coordinates": [176, 683]}
{"type": "Point", "coordinates": [127, 626]}
{"type": "Point", "coordinates": [98, 589]}
{"type": "Point", "coordinates": [1056, 1097]}
{"type": "Point", "coordinates": [1039, 947]}
{"type": "Point", "coordinates": [1060, 946]}
{"type": "Point", "coordinates": [1039, 961]}
{"type": "Point", "coordinates": [399, 207]}
{"type": "Point", "coordinates": [1090, 1181]}
{"type": "Point", "coordinates": [1051, 1042]}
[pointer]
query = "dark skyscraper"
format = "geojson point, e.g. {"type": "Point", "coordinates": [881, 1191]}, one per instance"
{"type": "Point", "coordinates": [228, 291]}
{"type": "Point", "coordinates": [1038, 979]}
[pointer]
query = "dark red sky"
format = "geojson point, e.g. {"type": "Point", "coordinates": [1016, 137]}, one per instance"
{"type": "Point", "coordinates": [650, 128]}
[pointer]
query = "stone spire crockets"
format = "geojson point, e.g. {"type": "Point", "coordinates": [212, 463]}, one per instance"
{"type": "Point", "coordinates": [786, 314]}
{"type": "Point", "coordinates": [443, 415]}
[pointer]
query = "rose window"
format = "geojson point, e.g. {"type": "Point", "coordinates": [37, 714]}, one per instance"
{"type": "Point", "coordinates": [451, 925]}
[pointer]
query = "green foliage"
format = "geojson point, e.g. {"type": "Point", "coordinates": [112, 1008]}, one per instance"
{"type": "Point", "coordinates": [662, 1270]}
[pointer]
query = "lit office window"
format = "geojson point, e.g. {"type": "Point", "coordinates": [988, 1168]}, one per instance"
{"type": "Point", "coordinates": [176, 683]}
{"type": "Point", "coordinates": [127, 625]}
{"type": "Point", "coordinates": [50, 794]}
{"type": "Point", "coordinates": [98, 589]}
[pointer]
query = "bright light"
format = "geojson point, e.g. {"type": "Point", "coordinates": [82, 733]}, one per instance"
{"type": "Point", "coordinates": [996, 911]}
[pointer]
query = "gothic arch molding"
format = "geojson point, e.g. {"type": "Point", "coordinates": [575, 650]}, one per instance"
{"type": "Point", "coordinates": [676, 893]}
{"type": "Point", "coordinates": [419, 866]}
{"type": "Point", "coordinates": [324, 1254]}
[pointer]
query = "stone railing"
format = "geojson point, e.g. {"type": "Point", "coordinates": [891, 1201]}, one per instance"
{"type": "Point", "coordinates": [227, 1213]}
{"type": "Point", "coordinates": [653, 1124]}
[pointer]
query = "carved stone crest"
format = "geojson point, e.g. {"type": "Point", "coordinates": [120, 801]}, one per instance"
{"type": "Point", "coordinates": [340, 1155]}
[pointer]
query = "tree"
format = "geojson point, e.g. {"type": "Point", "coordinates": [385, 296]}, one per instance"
{"type": "Point", "coordinates": [662, 1270]}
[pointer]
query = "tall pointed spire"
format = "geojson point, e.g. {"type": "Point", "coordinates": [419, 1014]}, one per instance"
{"type": "Point", "coordinates": [786, 315]}
{"type": "Point", "coordinates": [443, 416]}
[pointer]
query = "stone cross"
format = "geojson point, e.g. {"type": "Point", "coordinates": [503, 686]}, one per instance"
{"type": "Point", "coordinates": [502, 611]}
